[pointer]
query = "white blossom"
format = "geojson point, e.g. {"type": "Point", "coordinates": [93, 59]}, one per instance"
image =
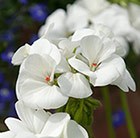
{"type": "Point", "coordinates": [41, 124]}
{"type": "Point", "coordinates": [36, 82]}
{"type": "Point", "coordinates": [103, 65]}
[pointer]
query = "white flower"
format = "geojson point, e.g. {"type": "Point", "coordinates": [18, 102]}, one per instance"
{"type": "Point", "coordinates": [103, 66]}
{"type": "Point", "coordinates": [41, 124]}
{"type": "Point", "coordinates": [36, 84]}
{"type": "Point", "coordinates": [40, 46]}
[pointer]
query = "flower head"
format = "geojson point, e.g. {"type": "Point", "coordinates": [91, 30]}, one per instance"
{"type": "Point", "coordinates": [101, 63]}
{"type": "Point", "coordinates": [36, 81]}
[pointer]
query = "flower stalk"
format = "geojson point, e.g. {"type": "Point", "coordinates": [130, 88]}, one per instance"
{"type": "Point", "coordinates": [129, 121]}
{"type": "Point", "coordinates": [108, 111]}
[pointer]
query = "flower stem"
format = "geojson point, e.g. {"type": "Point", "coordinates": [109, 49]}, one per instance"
{"type": "Point", "coordinates": [108, 111]}
{"type": "Point", "coordinates": [129, 121]}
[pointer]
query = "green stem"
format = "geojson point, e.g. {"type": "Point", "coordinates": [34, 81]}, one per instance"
{"type": "Point", "coordinates": [129, 121]}
{"type": "Point", "coordinates": [108, 111]}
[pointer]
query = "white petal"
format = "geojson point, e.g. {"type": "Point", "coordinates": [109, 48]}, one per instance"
{"type": "Point", "coordinates": [16, 125]}
{"type": "Point", "coordinates": [109, 71]}
{"type": "Point", "coordinates": [34, 119]}
{"type": "Point", "coordinates": [75, 20]}
{"type": "Point", "coordinates": [125, 82]}
{"type": "Point", "coordinates": [80, 66]}
{"type": "Point", "coordinates": [42, 95]}
{"type": "Point", "coordinates": [96, 6]}
{"type": "Point", "coordinates": [7, 134]}
{"type": "Point", "coordinates": [74, 85]}
{"type": "Point", "coordinates": [79, 34]}
{"type": "Point", "coordinates": [67, 47]}
{"type": "Point", "coordinates": [25, 135]}
{"type": "Point", "coordinates": [20, 54]}
{"type": "Point", "coordinates": [91, 47]}
{"type": "Point", "coordinates": [115, 13]}
{"type": "Point", "coordinates": [102, 31]}
{"type": "Point", "coordinates": [43, 46]}
{"type": "Point", "coordinates": [136, 43]}
{"type": "Point", "coordinates": [40, 66]}
{"type": "Point", "coordinates": [55, 125]}
{"type": "Point", "coordinates": [74, 130]}
{"type": "Point", "coordinates": [134, 10]}
{"type": "Point", "coordinates": [130, 82]}
{"type": "Point", "coordinates": [57, 18]}
{"type": "Point", "coordinates": [122, 46]}
{"type": "Point", "coordinates": [108, 49]}
{"type": "Point", "coordinates": [63, 66]}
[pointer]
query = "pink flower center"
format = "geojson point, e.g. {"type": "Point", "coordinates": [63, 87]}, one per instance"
{"type": "Point", "coordinates": [47, 78]}
{"type": "Point", "coordinates": [94, 64]}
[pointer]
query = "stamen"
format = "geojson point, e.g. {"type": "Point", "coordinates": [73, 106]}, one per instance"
{"type": "Point", "coordinates": [47, 78]}
{"type": "Point", "coordinates": [94, 64]}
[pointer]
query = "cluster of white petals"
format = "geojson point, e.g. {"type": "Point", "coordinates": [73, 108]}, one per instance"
{"type": "Point", "coordinates": [51, 73]}
{"type": "Point", "coordinates": [78, 49]}
{"type": "Point", "coordinates": [123, 21]}
{"type": "Point", "coordinates": [41, 124]}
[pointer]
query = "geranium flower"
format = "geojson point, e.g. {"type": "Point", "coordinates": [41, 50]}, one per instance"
{"type": "Point", "coordinates": [36, 82]}
{"type": "Point", "coordinates": [41, 124]}
{"type": "Point", "coordinates": [102, 65]}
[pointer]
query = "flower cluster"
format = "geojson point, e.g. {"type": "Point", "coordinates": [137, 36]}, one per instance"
{"type": "Point", "coordinates": [72, 56]}
{"type": "Point", "coordinates": [123, 21]}
{"type": "Point", "coordinates": [68, 69]}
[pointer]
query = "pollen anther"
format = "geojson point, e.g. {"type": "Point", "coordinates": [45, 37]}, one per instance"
{"type": "Point", "coordinates": [47, 78]}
